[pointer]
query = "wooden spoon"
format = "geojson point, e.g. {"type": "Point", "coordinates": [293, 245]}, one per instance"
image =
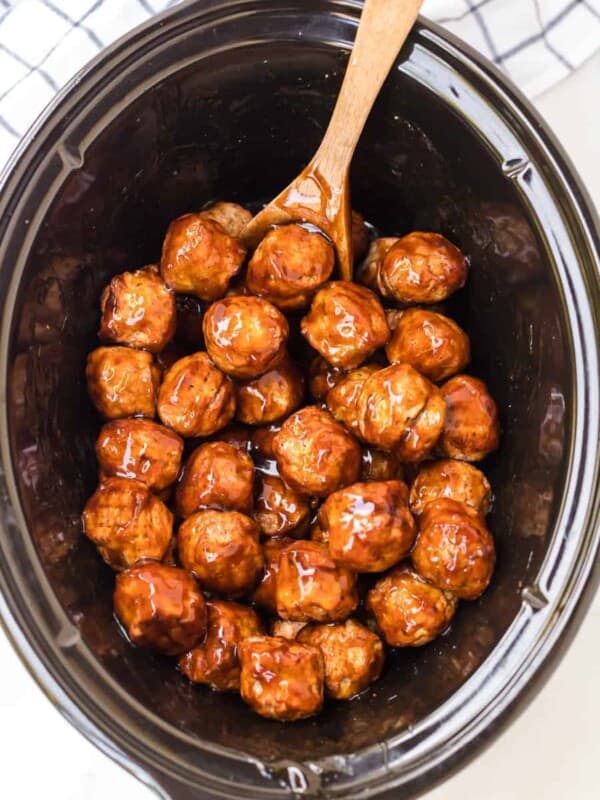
{"type": "Point", "coordinates": [321, 193]}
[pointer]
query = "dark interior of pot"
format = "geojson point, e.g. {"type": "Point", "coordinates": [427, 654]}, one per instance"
{"type": "Point", "coordinates": [239, 129]}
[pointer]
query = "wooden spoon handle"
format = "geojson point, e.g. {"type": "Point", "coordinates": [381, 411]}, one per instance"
{"type": "Point", "coordinates": [384, 25]}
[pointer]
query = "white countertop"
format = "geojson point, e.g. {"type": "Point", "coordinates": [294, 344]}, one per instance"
{"type": "Point", "coordinates": [550, 752]}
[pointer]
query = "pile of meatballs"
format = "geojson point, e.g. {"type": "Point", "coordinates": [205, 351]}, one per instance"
{"type": "Point", "coordinates": [271, 526]}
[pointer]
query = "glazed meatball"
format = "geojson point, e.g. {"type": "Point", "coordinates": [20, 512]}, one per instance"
{"type": "Point", "coordinates": [317, 534]}
{"type": "Point", "coordinates": [217, 475]}
{"type": "Point", "coordinates": [289, 265]}
{"type": "Point", "coordinates": [221, 548]}
{"type": "Point", "coordinates": [265, 593]}
{"type": "Point", "coordinates": [361, 236]}
{"type": "Point", "coordinates": [160, 607]}
{"type": "Point", "coordinates": [346, 324]}
{"type": "Point", "coordinates": [315, 454]}
{"type": "Point", "coordinates": [422, 268]}
{"type": "Point", "coordinates": [271, 396]}
{"type": "Point", "coordinates": [281, 679]}
{"type": "Point", "coordinates": [127, 523]}
{"type": "Point", "coordinates": [377, 465]}
{"type": "Point", "coordinates": [230, 216]}
{"type": "Point", "coordinates": [138, 309]}
{"type": "Point", "coordinates": [400, 410]}
{"type": "Point", "coordinates": [195, 398]}
{"type": "Point", "coordinates": [238, 436]}
{"type": "Point", "coordinates": [140, 449]}
{"type": "Point", "coordinates": [431, 343]}
{"type": "Point", "coordinates": [323, 377]}
{"type": "Point", "coordinates": [368, 272]}
{"type": "Point", "coordinates": [245, 336]}
{"type": "Point", "coordinates": [408, 611]}
{"type": "Point", "coordinates": [342, 400]}
{"type": "Point", "coordinates": [311, 586]}
{"type": "Point", "coordinates": [215, 661]}
{"type": "Point", "coordinates": [369, 525]}
{"type": "Point", "coordinates": [454, 549]}
{"type": "Point", "coordinates": [454, 479]}
{"type": "Point", "coordinates": [352, 655]}
{"type": "Point", "coordinates": [199, 257]}
{"type": "Point", "coordinates": [262, 440]}
{"type": "Point", "coordinates": [279, 509]}
{"type": "Point", "coordinates": [287, 628]}
{"type": "Point", "coordinates": [471, 430]}
{"type": "Point", "coordinates": [122, 382]}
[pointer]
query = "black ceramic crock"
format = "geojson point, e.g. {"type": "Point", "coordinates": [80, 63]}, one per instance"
{"type": "Point", "coordinates": [222, 99]}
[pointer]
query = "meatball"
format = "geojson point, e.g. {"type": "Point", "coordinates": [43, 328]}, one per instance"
{"type": "Point", "coordinates": [400, 410]}
{"type": "Point", "coordinates": [353, 656]}
{"type": "Point", "coordinates": [471, 430]}
{"type": "Point", "coordinates": [377, 465]}
{"type": "Point", "coordinates": [140, 449]}
{"type": "Point", "coordinates": [245, 336]}
{"type": "Point", "coordinates": [311, 586]}
{"type": "Point", "coordinates": [127, 523]}
{"type": "Point", "coordinates": [238, 436]}
{"type": "Point", "coordinates": [122, 382]}
{"type": "Point", "coordinates": [315, 454]}
{"type": "Point", "coordinates": [289, 265]}
{"type": "Point", "coordinates": [431, 343]}
{"type": "Point", "coordinates": [346, 324]}
{"type": "Point", "coordinates": [287, 628]}
{"type": "Point", "coordinates": [138, 309]}
{"type": "Point", "coordinates": [160, 607]}
{"type": "Point", "coordinates": [368, 272]}
{"type": "Point", "coordinates": [262, 440]}
{"type": "Point", "coordinates": [323, 377]}
{"type": "Point", "coordinates": [281, 679]}
{"type": "Point", "coordinates": [199, 258]}
{"type": "Point", "coordinates": [216, 474]}
{"type": "Point", "coordinates": [195, 398]}
{"type": "Point", "coordinates": [230, 216]}
{"type": "Point", "coordinates": [408, 611]}
{"type": "Point", "coordinates": [422, 268]}
{"type": "Point", "coordinates": [271, 396]}
{"type": "Point", "coordinates": [454, 479]}
{"type": "Point", "coordinates": [361, 236]}
{"type": "Point", "coordinates": [215, 661]}
{"type": "Point", "coordinates": [265, 594]}
{"type": "Point", "coordinates": [317, 534]}
{"type": "Point", "coordinates": [369, 525]}
{"type": "Point", "coordinates": [221, 548]}
{"type": "Point", "coordinates": [279, 509]}
{"type": "Point", "coordinates": [342, 400]}
{"type": "Point", "coordinates": [454, 549]}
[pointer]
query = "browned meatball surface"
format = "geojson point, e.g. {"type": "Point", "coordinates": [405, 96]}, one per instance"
{"type": "Point", "coordinates": [361, 236]}
{"type": "Point", "coordinates": [379, 465]}
{"type": "Point", "coordinates": [138, 309]}
{"type": "Point", "coordinates": [456, 480]}
{"type": "Point", "coordinates": [245, 336]}
{"type": "Point", "coordinates": [289, 265]}
{"type": "Point", "coordinates": [160, 607]}
{"type": "Point", "coordinates": [454, 549]}
{"type": "Point", "coordinates": [368, 271]}
{"type": "Point", "coordinates": [315, 454]}
{"type": "Point", "coordinates": [317, 534]}
{"type": "Point", "coordinates": [195, 398]}
{"type": "Point", "coordinates": [369, 526]}
{"type": "Point", "coordinates": [342, 400]}
{"type": "Point", "coordinates": [422, 268]}
{"type": "Point", "coordinates": [215, 661]}
{"type": "Point", "coordinates": [287, 628]}
{"type": "Point", "coordinates": [353, 656]}
{"type": "Point", "coordinates": [127, 523]}
{"type": "Point", "coordinates": [408, 611]}
{"type": "Point", "coordinates": [281, 679]}
{"type": "Point", "coordinates": [431, 343]}
{"type": "Point", "coordinates": [400, 410]}
{"type": "Point", "coordinates": [221, 548]}
{"type": "Point", "coordinates": [346, 324]}
{"type": "Point", "coordinates": [199, 257]}
{"type": "Point", "coordinates": [230, 216]}
{"type": "Point", "coordinates": [140, 449]}
{"type": "Point", "coordinates": [472, 429]}
{"type": "Point", "coordinates": [265, 593]}
{"type": "Point", "coordinates": [279, 509]}
{"type": "Point", "coordinates": [217, 475]}
{"type": "Point", "coordinates": [323, 377]}
{"type": "Point", "coordinates": [311, 586]}
{"type": "Point", "coordinates": [122, 382]}
{"type": "Point", "coordinates": [271, 396]}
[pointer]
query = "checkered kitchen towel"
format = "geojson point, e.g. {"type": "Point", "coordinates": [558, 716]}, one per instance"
{"type": "Point", "coordinates": [44, 42]}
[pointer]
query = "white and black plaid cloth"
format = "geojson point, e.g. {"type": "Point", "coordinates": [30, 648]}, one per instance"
{"type": "Point", "coordinates": [44, 42]}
